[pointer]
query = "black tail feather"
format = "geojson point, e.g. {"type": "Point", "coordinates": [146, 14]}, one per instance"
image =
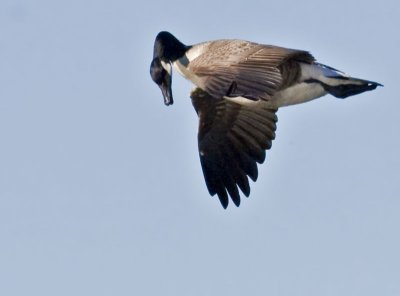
{"type": "Point", "coordinates": [345, 90]}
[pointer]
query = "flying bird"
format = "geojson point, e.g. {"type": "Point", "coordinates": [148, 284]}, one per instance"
{"type": "Point", "coordinates": [239, 86]}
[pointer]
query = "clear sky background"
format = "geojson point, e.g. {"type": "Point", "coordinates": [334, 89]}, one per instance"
{"type": "Point", "coordinates": [101, 189]}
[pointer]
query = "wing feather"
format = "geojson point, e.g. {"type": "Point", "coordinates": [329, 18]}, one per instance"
{"type": "Point", "coordinates": [232, 139]}
{"type": "Point", "coordinates": [257, 70]}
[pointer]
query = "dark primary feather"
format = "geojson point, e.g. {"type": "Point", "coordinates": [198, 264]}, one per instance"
{"type": "Point", "coordinates": [232, 139]}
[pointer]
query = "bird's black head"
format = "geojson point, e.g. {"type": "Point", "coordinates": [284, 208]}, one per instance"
{"type": "Point", "coordinates": [167, 49]}
{"type": "Point", "coordinates": [161, 74]}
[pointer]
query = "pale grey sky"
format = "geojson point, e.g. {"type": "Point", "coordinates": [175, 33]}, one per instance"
{"type": "Point", "coordinates": [101, 189]}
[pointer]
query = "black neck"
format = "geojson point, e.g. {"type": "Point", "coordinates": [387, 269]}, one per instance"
{"type": "Point", "coordinates": [168, 48]}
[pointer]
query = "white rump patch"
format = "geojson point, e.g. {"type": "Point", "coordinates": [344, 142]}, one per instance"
{"type": "Point", "coordinates": [326, 75]}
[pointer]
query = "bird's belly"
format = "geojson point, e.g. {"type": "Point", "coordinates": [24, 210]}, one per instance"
{"type": "Point", "coordinates": [297, 94]}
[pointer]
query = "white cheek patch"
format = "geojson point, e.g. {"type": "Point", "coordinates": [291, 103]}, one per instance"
{"type": "Point", "coordinates": [167, 67]}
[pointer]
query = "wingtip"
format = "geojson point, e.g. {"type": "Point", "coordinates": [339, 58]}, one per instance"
{"type": "Point", "coordinates": [223, 197]}
{"type": "Point", "coordinates": [236, 201]}
{"type": "Point", "coordinates": [224, 204]}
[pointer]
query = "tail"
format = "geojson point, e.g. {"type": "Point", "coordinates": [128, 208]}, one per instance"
{"type": "Point", "coordinates": [348, 86]}
{"type": "Point", "coordinates": [337, 83]}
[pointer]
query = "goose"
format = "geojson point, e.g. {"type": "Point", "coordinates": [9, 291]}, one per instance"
{"type": "Point", "coordinates": [239, 86]}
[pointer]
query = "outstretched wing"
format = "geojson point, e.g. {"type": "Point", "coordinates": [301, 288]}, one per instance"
{"type": "Point", "coordinates": [233, 136]}
{"type": "Point", "coordinates": [251, 70]}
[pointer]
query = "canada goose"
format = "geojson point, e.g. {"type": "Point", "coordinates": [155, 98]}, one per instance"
{"type": "Point", "coordinates": [239, 87]}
